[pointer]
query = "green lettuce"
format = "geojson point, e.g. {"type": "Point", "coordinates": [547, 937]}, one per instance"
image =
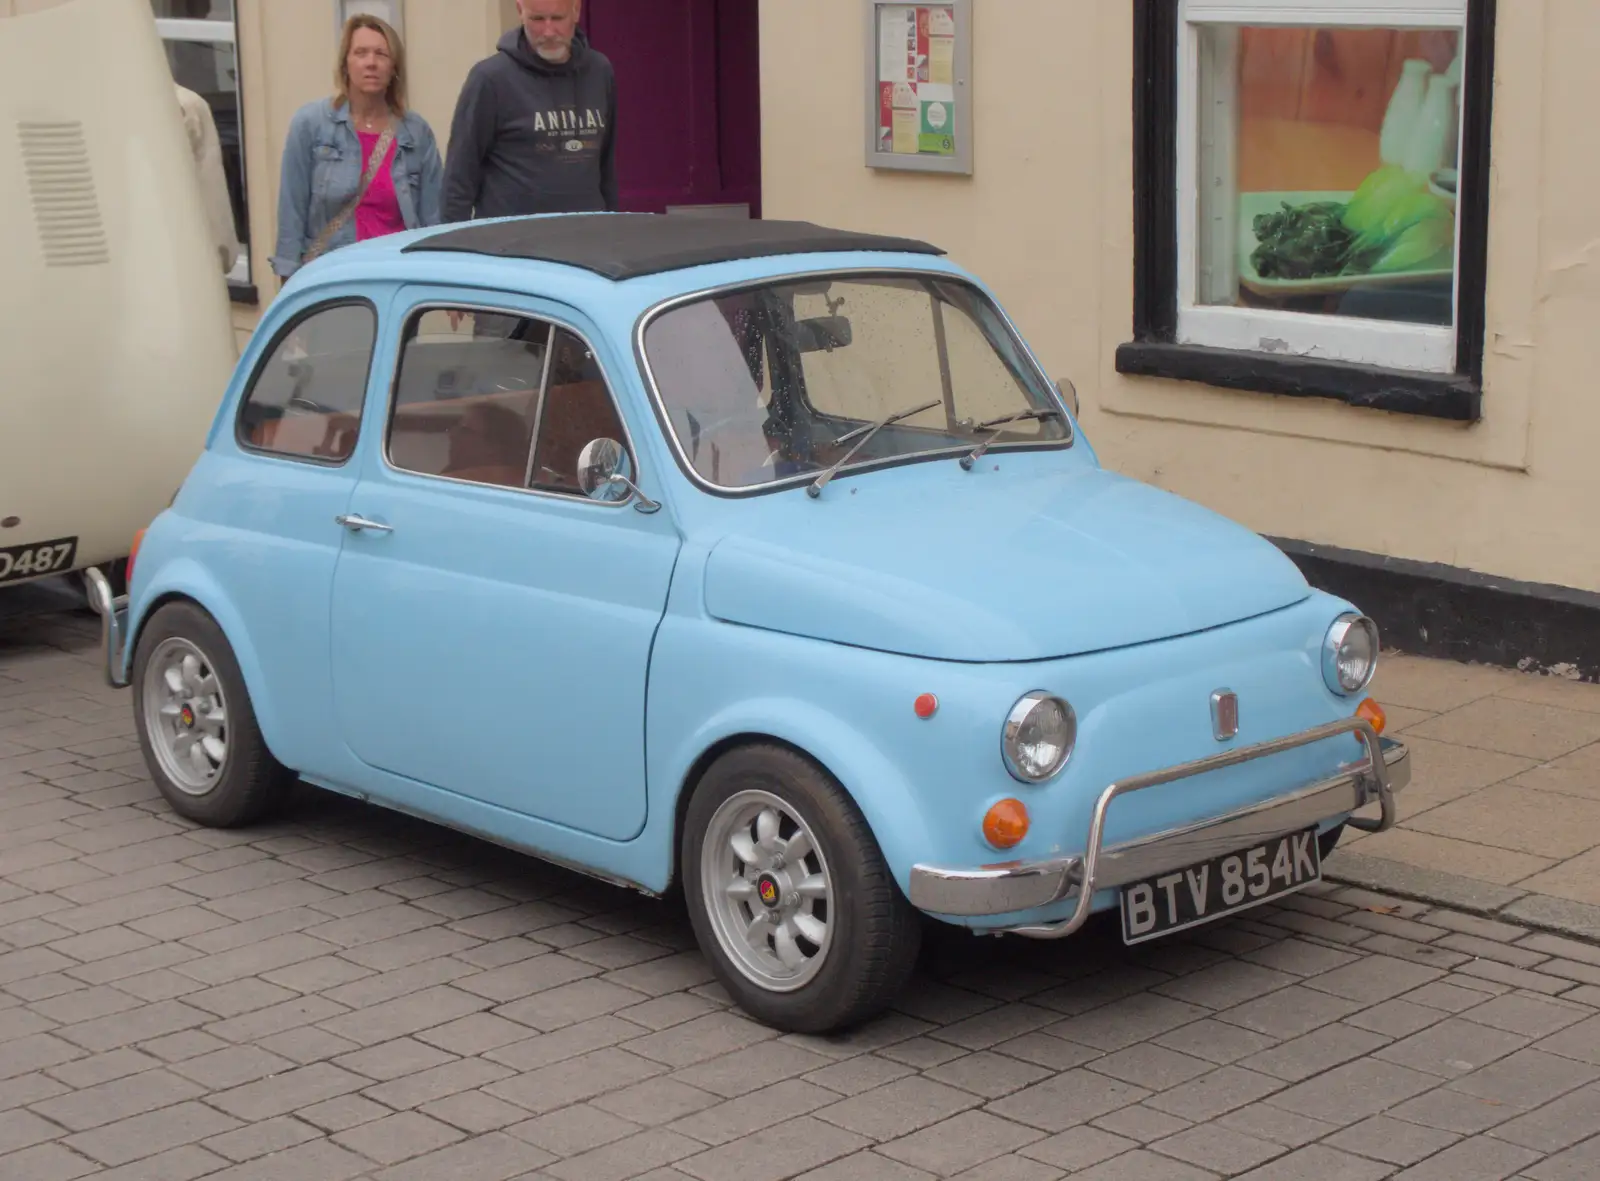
{"type": "Point", "coordinates": [1391, 223]}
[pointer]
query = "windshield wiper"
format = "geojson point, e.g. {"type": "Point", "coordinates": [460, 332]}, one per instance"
{"type": "Point", "coordinates": [866, 434]}
{"type": "Point", "coordinates": [976, 453]}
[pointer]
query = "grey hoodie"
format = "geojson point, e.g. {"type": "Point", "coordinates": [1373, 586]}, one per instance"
{"type": "Point", "coordinates": [531, 136]}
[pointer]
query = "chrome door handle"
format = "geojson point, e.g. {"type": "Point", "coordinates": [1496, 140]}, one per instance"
{"type": "Point", "coordinates": [356, 524]}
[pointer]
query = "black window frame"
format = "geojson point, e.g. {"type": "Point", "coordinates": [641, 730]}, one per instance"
{"type": "Point", "coordinates": [1155, 351]}
{"type": "Point", "coordinates": [241, 437]}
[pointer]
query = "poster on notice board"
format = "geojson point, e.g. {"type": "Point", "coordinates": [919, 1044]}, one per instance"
{"type": "Point", "coordinates": [920, 116]}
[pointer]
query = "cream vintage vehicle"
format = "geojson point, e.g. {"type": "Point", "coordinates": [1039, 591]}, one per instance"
{"type": "Point", "coordinates": [116, 341]}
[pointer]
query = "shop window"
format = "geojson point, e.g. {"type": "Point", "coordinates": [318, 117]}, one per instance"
{"type": "Point", "coordinates": [201, 40]}
{"type": "Point", "coordinates": [1311, 197]}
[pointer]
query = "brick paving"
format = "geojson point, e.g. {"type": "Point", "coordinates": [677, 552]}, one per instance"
{"type": "Point", "coordinates": [1503, 814]}
{"type": "Point", "coordinates": [346, 993]}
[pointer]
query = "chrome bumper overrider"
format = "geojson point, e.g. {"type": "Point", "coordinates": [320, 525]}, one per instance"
{"type": "Point", "coordinates": [1027, 885]}
{"type": "Point", "coordinates": [113, 612]}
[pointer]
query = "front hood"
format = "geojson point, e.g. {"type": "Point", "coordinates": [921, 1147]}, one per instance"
{"type": "Point", "coordinates": [934, 562]}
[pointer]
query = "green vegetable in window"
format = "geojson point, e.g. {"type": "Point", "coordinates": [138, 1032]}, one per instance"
{"type": "Point", "coordinates": [1391, 223]}
{"type": "Point", "coordinates": [1414, 219]}
{"type": "Point", "coordinates": [1301, 242]}
{"type": "Point", "coordinates": [1432, 237]}
{"type": "Point", "coordinates": [1371, 203]}
{"type": "Point", "coordinates": [1400, 216]}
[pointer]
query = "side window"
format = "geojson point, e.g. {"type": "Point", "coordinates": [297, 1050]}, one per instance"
{"type": "Point", "coordinates": [468, 401]}
{"type": "Point", "coordinates": [467, 396]}
{"type": "Point", "coordinates": [577, 410]}
{"type": "Point", "coordinates": [305, 399]}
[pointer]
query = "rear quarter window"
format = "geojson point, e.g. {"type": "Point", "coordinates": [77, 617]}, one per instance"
{"type": "Point", "coordinates": [305, 398]}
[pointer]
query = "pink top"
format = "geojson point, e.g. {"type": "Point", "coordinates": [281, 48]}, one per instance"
{"type": "Point", "coordinates": [379, 211]}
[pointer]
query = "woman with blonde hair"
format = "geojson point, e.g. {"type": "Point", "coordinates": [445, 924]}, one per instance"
{"type": "Point", "coordinates": [357, 165]}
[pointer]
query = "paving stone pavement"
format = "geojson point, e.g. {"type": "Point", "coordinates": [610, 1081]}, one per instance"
{"type": "Point", "coordinates": [346, 993]}
{"type": "Point", "coordinates": [1503, 813]}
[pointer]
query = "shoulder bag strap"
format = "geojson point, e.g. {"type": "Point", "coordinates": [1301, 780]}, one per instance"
{"type": "Point", "coordinates": [379, 152]}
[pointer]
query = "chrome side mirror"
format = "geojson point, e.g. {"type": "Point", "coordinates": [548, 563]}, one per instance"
{"type": "Point", "coordinates": [1069, 394]}
{"type": "Point", "coordinates": [604, 472]}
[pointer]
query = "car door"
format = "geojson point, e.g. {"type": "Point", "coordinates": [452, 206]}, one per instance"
{"type": "Point", "coordinates": [492, 626]}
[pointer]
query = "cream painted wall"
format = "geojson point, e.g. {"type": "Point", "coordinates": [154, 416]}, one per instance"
{"type": "Point", "coordinates": [287, 50]}
{"type": "Point", "coordinates": [1047, 221]}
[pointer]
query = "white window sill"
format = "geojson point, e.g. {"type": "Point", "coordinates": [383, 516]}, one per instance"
{"type": "Point", "coordinates": [1424, 348]}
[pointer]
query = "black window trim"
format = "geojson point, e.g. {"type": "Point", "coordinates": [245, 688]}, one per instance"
{"type": "Point", "coordinates": [1155, 351]}
{"type": "Point", "coordinates": [271, 351]}
{"type": "Point", "coordinates": [414, 311]}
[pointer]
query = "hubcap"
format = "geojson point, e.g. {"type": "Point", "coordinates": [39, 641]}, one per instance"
{"type": "Point", "coordinates": [768, 891]}
{"type": "Point", "coordinates": [186, 716]}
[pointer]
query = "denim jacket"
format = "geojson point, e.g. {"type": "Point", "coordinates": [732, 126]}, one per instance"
{"type": "Point", "coordinates": [322, 170]}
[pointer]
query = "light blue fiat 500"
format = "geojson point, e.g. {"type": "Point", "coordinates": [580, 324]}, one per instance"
{"type": "Point", "coordinates": [757, 558]}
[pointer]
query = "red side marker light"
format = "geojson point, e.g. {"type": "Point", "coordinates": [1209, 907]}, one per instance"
{"type": "Point", "coordinates": [926, 705]}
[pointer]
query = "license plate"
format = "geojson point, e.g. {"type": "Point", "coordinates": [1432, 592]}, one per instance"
{"type": "Point", "coordinates": [1221, 886]}
{"type": "Point", "coordinates": [36, 558]}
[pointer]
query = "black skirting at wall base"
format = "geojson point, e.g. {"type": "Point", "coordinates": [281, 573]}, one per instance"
{"type": "Point", "coordinates": [1455, 614]}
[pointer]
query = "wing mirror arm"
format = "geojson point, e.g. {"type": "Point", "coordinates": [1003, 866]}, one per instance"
{"type": "Point", "coordinates": [640, 501]}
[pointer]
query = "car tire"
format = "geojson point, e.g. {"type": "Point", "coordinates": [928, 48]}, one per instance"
{"type": "Point", "coordinates": [188, 693]}
{"type": "Point", "coordinates": [839, 880]}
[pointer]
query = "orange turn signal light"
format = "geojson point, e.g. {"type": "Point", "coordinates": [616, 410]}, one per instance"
{"type": "Point", "coordinates": [926, 706]}
{"type": "Point", "coordinates": [1373, 713]}
{"type": "Point", "coordinates": [1005, 824]}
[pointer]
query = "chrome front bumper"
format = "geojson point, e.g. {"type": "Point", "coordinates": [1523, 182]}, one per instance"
{"type": "Point", "coordinates": [113, 612]}
{"type": "Point", "coordinates": [1015, 886]}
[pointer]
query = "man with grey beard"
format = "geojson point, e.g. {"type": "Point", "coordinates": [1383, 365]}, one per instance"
{"type": "Point", "coordinates": [534, 128]}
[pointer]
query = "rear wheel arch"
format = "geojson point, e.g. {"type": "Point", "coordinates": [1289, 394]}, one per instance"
{"type": "Point", "coordinates": [138, 628]}
{"type": "Point", "coordinates": [208, 759]}
{"type": "Point", "coordinates": [131, 641]}
{"type": "Point", "coordinates": [245, 660]}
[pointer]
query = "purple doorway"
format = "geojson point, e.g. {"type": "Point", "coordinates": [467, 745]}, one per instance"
{"type": "Point", "coordinates": [688, 99]}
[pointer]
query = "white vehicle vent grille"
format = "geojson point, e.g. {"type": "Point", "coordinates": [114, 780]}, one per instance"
{"type": "Point", "coordinates": [55, 158]}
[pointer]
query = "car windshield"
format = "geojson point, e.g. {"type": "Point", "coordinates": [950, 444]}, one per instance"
{"type": "Point", "coordinates": [782, 381]}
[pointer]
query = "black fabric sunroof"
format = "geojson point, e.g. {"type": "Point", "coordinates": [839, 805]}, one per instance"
{"type": "Point", "coordinates": [627, 245]}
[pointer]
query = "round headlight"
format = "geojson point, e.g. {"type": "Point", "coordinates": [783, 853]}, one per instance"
{"type": "Point", "coordinates": [1350, 654]}
{"type": "Point", "coordinates": [1038, 737]}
